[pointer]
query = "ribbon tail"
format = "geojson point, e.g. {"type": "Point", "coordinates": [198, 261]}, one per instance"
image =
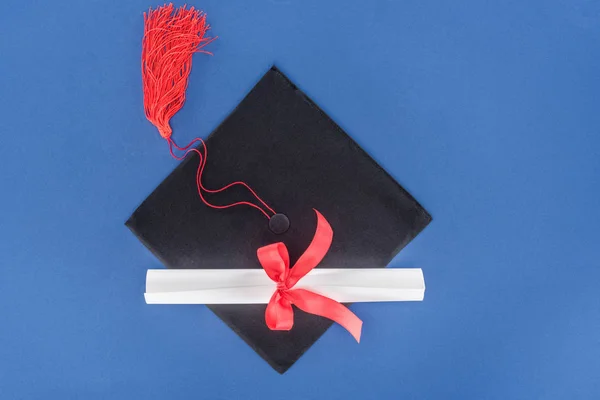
{"type": "Point", "coordinates": [312, 256]}
{"type": "Point", "coordinates": [314, 303]}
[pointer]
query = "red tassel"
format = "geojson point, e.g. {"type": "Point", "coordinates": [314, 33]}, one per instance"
{"type": "Point", "coordinates": [171, 37]}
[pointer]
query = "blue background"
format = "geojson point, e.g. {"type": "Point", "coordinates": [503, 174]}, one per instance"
{"type": "Point", "coordinates": [486, 111]}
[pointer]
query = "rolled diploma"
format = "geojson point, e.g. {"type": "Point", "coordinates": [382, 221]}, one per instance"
{"type": "Point", "coordinates": [253, 286]}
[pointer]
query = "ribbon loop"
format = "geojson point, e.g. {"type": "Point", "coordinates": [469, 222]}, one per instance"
{"type": "Point", "coordinates": [274, 259]}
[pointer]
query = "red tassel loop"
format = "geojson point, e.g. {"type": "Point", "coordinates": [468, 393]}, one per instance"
{"type": "Point", "coordinates": [171, 37]}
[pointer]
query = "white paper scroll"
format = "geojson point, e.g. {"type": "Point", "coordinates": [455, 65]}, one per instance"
{"type": "Point", "coordinates": [253, 286]}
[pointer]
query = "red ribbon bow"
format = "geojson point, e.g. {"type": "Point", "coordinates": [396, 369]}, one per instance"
{"type": "Point", "coordinates": [275, 260]}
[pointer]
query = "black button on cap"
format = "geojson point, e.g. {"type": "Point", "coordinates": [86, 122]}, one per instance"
{"type": "Point", "coordinates": [279, 223]}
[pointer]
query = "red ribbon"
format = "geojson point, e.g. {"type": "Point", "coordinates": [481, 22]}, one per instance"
{"type": "Point", "coordinates": [275, 260]}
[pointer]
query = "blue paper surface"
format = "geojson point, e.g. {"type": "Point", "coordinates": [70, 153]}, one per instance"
{"type": "Point", "coordinates": [486, 112]}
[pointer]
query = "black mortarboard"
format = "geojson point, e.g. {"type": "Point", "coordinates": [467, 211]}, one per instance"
{"type": "Point", "coordinates": [297, 159]}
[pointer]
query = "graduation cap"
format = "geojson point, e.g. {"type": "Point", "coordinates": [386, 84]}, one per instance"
{"type": "Point", "coordinates": [277, 143]}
